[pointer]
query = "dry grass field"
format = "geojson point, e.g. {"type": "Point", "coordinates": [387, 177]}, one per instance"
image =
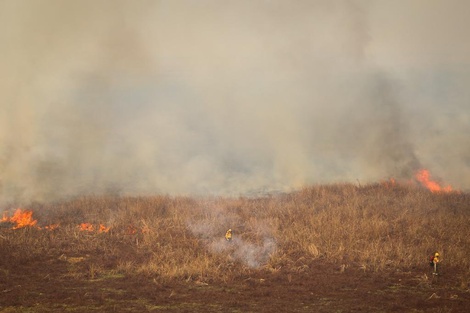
{"type": "Point", "coordinates": [327, 248]}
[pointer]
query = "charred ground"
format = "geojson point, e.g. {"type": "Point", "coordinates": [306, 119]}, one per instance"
{"type": "Point", "coordinates": [336, 248]}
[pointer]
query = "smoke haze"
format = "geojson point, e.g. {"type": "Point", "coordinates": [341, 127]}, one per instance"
{"type": "Point", "coordinates": [229, 97]}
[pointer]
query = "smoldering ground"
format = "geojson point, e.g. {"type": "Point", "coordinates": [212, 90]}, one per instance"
{"type": "Point", "coordinates": [253, 239]}
{"type": "Point", "coordinates": [227, 97]}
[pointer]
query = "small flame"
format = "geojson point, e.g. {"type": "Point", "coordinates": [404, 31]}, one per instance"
{"type": "Point", "coordinates": [132, 230]}
{"type": "Point", "coordinates": [52, 226]}
{"type": "Point", "coordinates": [424, 178]}
{"type": "Point", "coordinates": [103, 229]}
{"type": "Point", "coordinates": [389, 183]}
{"type": "Point", "coordinates": [89, 227]}
{"type": "Point", "coordinates": [85, 227]}
{"type": "Point", "coordinates": [20, 218]}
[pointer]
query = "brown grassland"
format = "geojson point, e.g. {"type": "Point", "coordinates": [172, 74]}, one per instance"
{"type": "Point", "coordinates": [327, 248]}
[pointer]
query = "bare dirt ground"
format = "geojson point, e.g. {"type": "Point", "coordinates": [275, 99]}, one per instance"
{"type": "Point", "coordinates": [47, 285]}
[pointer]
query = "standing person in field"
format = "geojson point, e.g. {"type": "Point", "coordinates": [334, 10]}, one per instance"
{"type": "Point", "coordinates": [228, 235]}
{"type": "Point", "coordinates": [434, 262]}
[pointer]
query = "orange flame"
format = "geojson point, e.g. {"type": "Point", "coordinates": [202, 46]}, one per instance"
{"type": "Point", "coordinates": [23, 218]}
{"type": "Point", "coordinates": [103, 229]}
{"type": "Point", "coordinates": [52, 226]}
{"type": "Point", "coordinates": [132, 230]}
{"type": "Point", "coordinates": [20, 218]}
{"type": "Point", "coordinates": [389, 183]}
{"type": "Point", "coordinates": [424, 178]}
{"type": "Point", "coordinates": [86, 227]}
{"type": "Point", "coordinates": [89, 227]}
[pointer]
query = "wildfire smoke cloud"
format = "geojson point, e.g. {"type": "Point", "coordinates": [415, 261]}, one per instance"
{"type": "Point", "coordinates": [227, 97]}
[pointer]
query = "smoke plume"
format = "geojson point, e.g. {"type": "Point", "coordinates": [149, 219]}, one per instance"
{"type": "Point", "coordinates": [229, 97]}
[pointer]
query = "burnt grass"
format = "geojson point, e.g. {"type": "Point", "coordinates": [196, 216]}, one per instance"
{"type": "Point", "coordinates": [334, 248]}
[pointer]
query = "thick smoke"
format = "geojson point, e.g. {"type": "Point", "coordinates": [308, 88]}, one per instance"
{"type": "Point", "coordinates": [229, 97]}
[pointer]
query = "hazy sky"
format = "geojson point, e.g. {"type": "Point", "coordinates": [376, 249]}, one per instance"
{"type": "Point", "coordinates": [229, 97]}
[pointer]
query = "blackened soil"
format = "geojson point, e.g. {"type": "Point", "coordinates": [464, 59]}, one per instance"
{"type": "Point", "coordinates": [53, 285]}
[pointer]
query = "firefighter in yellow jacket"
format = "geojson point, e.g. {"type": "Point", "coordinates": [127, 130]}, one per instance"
{"type": "Point", "coordinates": [434, 262]}
{"type": "Point", "coordinates": [228, 235]}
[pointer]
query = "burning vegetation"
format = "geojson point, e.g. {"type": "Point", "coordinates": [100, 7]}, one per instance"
{"type": "Point", "coordinates": [91, 228]}
{"type": "Point", "coordinates": [424, 178]}
{"type": "Point", "coordinates": [271, 231]}
{"type": "Point", "coordinates": [373, 228]}
{"type": "Point", "coordinates": [268, 228]}
{"type": "Point", "coordinates": [21, 218]}
{"type": "Point", "coordinates": [24, 218]}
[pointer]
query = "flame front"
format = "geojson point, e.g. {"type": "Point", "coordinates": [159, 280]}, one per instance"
{"type": "Point", "coordinates": [423, 177]}
{"type": "Point", "coordinates": [23, 218]}
{"type": "Point", "coordinates": [20, 218]}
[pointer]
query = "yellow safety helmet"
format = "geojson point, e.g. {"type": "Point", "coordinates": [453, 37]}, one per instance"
{"type": "Point", "coordinates": [436, 254]}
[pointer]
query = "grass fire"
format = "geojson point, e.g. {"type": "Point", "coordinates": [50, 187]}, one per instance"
{"type": "Point", "coordinates": [375, 238]}
{"type": "Point", "coordinates": [424, 177]}
{"type": "Point", "coordinates": [19, 219]}
{"type": "Point", "coordinates": [234, 156]}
